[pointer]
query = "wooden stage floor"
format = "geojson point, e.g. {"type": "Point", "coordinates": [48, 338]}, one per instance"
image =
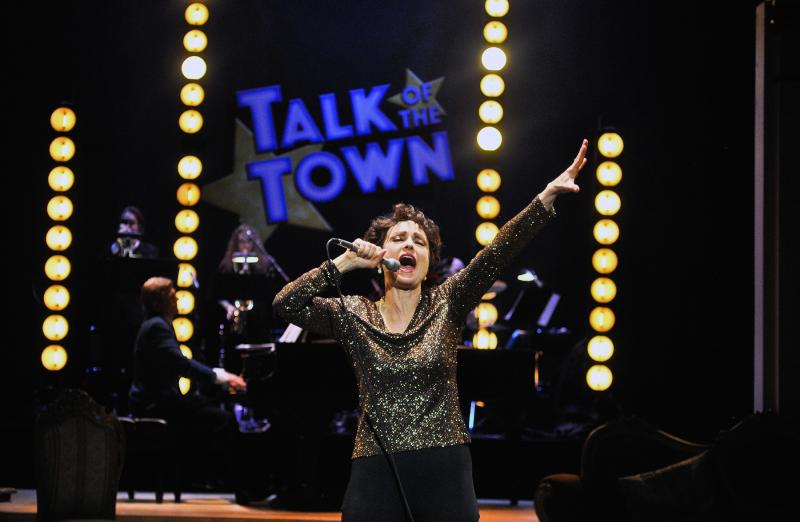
{"type": "Point", "coordinates": [209, 507]}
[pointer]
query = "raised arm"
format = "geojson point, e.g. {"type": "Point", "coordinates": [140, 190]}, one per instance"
{"type": "Point", "coordinates": [466, 287]}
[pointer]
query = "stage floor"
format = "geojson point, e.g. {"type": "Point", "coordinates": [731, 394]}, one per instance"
{"type": "Point", "coordinates": [219, 506]}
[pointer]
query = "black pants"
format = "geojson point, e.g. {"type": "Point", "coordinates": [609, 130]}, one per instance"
{"type": "Point", "coordinates": [437, 483]}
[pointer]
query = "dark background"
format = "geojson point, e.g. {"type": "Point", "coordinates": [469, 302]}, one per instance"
{"type": "Point", "coordinates": [676, 80]}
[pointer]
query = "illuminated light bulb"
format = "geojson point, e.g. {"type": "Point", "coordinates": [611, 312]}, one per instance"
{"type": "Point", "coordinates": [195, 41]}
{"type": "Point", "coordinates": [488, 180]}
{"type": "Point", "coordinates": [186, 275]}
{"type": "Point", "coordinates": [489, 139]}
{"type": "Point", "coordinates": [185, 248]}
{"type": "Point", "coordinates": [190, 121]}
{"type": "Point", "coordinates": [58, 238]}
{"type": "Point", "coordinates": [62, 149]}
{"type": "Point", "coordinates": [187, 221]}
{"type": "Point", "coordinates": [63, 119]}
{"type": "Point", "coordinates": [600, 348]}
{"type": "Point", "coordinates": [602, 319]}
{"type": "Point", "coordinates": [59, 208]}
{"type": "Point", "coordinates": [492, 85]}
{"type": "Point", "coordinates": [493, 59]}
{"type": "Point", "coordinates": [196, 14]}
{"type": "Point", "coordinates": [496, 8]}
{"type": "Point", "coordinates": [54, 357]}
{"type": "Point", "coordinates": [604, 260]}
{"type": "Point", "coordinates": [55, 327]}
{"type": "Point", "coordinates": [488, 207]}
{"type": "Point", "coordinates": [188, 194]}
{"type": "Point", "coordinates": [599, 377]}
{"type": "Point", "coordinates": [607, 202]}
{"type": "Point", "coordinates": [490, 111]}
{"type": "Point", "coordinates": [484, 340]}
{"type": "Point", "coordinates": [603, 290]}
{"type": "Point", "coordinates": [185, 302]}
{"type": "Point", "coordinates": [194, 68]}
{"type": "Point", "coordinates": [609, 173]}
{"type": "Point", "coordinates": [56, 298]}
{"type": "Point", "coordinates": [186, 351]}
{"type": "Point", "coordinates": [57, 268]}
{"type": "Point", "coordinates": [190, 167]}
{"type": "Point", "coordinates": [184, 385]}
{"type": "Point", "coordinates": [486, 314]}
{"type": "Point", "coordinates": [192, 94]}
{"type": "Point", "coordinates": [184, 329]}
{"type": "Point", "coordinates": [495, 32]}
{"type": "Point", "coordinates": [610, 144]}
{"type": "Point", "coordinates": [606, 232]}
{"type": "Point", "coordinates": [61, 178]}
{"type": "Point", "coordinates": [485, 232]}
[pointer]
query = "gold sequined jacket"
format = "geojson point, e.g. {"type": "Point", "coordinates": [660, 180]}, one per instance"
{"type": "Point", "coordinates": [412, 396]}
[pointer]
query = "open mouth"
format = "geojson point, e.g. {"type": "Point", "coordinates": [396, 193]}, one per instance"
{"type": "Point", "coordinates": [408, 261]}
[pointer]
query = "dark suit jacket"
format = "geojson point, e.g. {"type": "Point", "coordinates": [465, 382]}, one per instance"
{"type": "Point", "coordinates": [158, 364]}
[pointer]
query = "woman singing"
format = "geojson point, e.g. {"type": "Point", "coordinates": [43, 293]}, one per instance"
{"type": "Point", "coordinates": [403, 352]}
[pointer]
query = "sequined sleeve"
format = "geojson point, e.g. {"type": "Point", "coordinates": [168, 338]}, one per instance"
{"type": "Point", "coordinates": [299, 302]}
{"type": "Point", "coordinates": [465, 288]}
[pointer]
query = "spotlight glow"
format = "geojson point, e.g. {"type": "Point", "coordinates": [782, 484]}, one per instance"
{"type": "Point", "coordinates": [493, 59]}
{"type": "Point", "coordinates": [492, 85]}
{"type": "Point", "coordinates": [490, 111]}
{"type": "Point", "coordinates": [195, 41]}
{"type": "Point", "coordinates": [495, 32]}
{"type": "Point", "coordinates": [63, 119]}
{"type": "Point", "coordinates": [56, 298]}
{"type": "Point", "coordinates": [185, 248]}
{"type": "Point", "coordinates": [602, 319]}
{"type": "Point", "coordinates": [57, 268]}
{"type": "Point", "coordinates": [184, 329]}
{"type": "Point", "coordinates": [58, 238]}
{"type": "Point", "coordinates": [609, 173]}
{"type": "Point", "coordinates": [610, 144]}
{"type": "Point", "coordinates": [606, 232]}
{"type": "Point", "coordinates": [489, 139]}
{"type": "Point", "coordinates": [603, 290]}
{"type": "Point", "coordinates": [193, 68]}
{"type": "Point", "coordinates": [55, 327]}
{"type": "Point", "coordinates": [62, 149]}
{"type": "Point", "coordinates": [485, 232]}
{"type": "Point", "coordinates": [192, 94]}
{"type": "Point", "coordinates": [188, 194]}
{"type": "Point", "coordinates": [54, 357]}
{"type": "Point", "coordinates": [489, 180]}
{"type": "Point", "coordinates": [488, 207]}
{"type": "Point", "coordinates": [196, 14]}
{"type": "Point", "coordinates": [190, 121]}
{"type": "Point", "coordinates": [187, 221]}
{"type": "Point", "coordinates": [600, 348]}
{"type": "Point", "coordinates": [599, 377]}
{"type": "Point", "coordinates": [604, 261]}
{"type": "Point", "coordinates": [607, 202]}
{"type": "Point", "coordinates": [496, 8]}
{"type": "Point", "coordinates": [59, 208]}
{"type": "Point", "coordinates": [190, 167]}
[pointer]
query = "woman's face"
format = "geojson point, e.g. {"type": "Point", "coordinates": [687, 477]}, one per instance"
{"type": "Point", "coordinates": [406, 241]}
{"type": "Point", "coordinates": [129, 219]}
{"type": "Point", "coordinates": [245, 243]}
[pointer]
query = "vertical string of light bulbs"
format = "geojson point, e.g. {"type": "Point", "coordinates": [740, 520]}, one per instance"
{"type": "Point", "coordinates": [190, 166]}
{"type": "Point", "coordinates": [59, 238]}
{"type": "Point", "coordinates": [489, 138]}
{"type": "Point", "coordinates": [607, 204]}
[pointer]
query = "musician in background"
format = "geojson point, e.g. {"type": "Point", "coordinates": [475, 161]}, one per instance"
{"type": "Point", "coordinates": [130, 231]}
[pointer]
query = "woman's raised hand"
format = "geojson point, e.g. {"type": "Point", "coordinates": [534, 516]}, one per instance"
{"type": "Point", "coordinates": [367, 256]}
{"type": "Point", "coordinates": [565, 182]}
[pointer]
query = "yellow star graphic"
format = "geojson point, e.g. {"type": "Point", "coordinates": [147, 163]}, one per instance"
{"type": "Point", "coordinates": [243, 196]}
{"type": "Point", "coordinates": [413, 80]}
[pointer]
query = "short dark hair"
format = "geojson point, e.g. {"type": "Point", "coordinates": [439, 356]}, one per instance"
{"type": "Point", "coordinates": [137, 213]}
{"type": "Point", "coordinates": [376, 233]}
{"type": "Point", "coordinates": [154, 295]}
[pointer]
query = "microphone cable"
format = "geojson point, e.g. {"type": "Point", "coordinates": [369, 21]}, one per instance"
{"type": "Point", "coordinates": [368, 386]}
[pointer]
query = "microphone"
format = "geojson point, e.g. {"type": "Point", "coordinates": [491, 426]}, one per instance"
{"type": "Point", "coordinates": [393, 265]}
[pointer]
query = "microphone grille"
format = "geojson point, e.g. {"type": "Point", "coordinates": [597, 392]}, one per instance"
{"type": "Point", "coordinates": [391, 264]}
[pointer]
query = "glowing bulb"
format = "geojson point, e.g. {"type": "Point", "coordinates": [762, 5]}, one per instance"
{"type": "Point", "coordinates": [603, 290]}
{"type": "Point", "coordinates": [485, 232]}
{"type": "Point", "coordinates": [58, 238]}
{"type": "Point", "coordinates": [486, 314]}
{"type": "Point", "coordinates": [61, 178]}
{"type": "Point", "coordinates": [192, 94]}
{"type": "Point", "coordinates": [59, 208]}
{"type": "Point", "coordinates": [484, 340]}
{"type": "Point", "coordinates": [54, 357]}
{"type": "Point", "coordinates": [488, 207]}
{"type": "Point", "coordinates": [489, 138]}
{"type": "Point", "coordinates": [190, 167]}
{"type": "Point", "coordinates": [186, 351]}
{"type": "Point", "coordinates": [185, 302]}
{"type": "Point", "coordinates": [190, 121]}
{"type": "Point", "coordinates": [606, 232]}
{"type": "Point", "coordinates": [196, 14]}
{"type": "Point", "coordinates": [602, 319]}
{"type": "Point", "coordinates": [56, 298]}
{"type": "Point", "coordinates": [604, 260]}
{"type": "Point", "coordinates": [57, 268]}
{"type": "Point", "coordinates": [495, 32]}
{"type": "Point", "coordinates": [63, 119]}
{"type": "Point", "coordinates": [184, 385]}
{"type": "Point", "coordinates": [187, 221]}
{"type": "Point", "coordinates": [600, 348]}
{"type": "Point", "coordinates": [607, 202]}
{"type": "Point", "coordinates": [493, 59]}
{"type": "Point", "coordinates": [184, 329]}
{"type": "Point", "coordinates": [599, 377]}
{"type": "Point", "coordinates": [188, 194]}
{"type": "Point", "coordinates": [185, 248]}
{"type": "Point", "coordinates": [195, 41]}
{"type": "Point", "coordinates": [488, 180]}
{"type": "Point", "coordinates": [609, 173]}
{"type": "Point", "coordinates": [490, 111]}
{"type": "Point", "coordinates": [492, 85]}
{"type": "Point", "coordinates": [610, 144]}
{"type": "Point", "coordinates": [62, 149]}
{"type": "Point", "coordinates": [193, 68]}
{"type": "Point", "coordinates": [496, 7]}
{"type": "Point", "coordinates": [55, 327]}
{"type": "Point", "coordinates": [186, 275]}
